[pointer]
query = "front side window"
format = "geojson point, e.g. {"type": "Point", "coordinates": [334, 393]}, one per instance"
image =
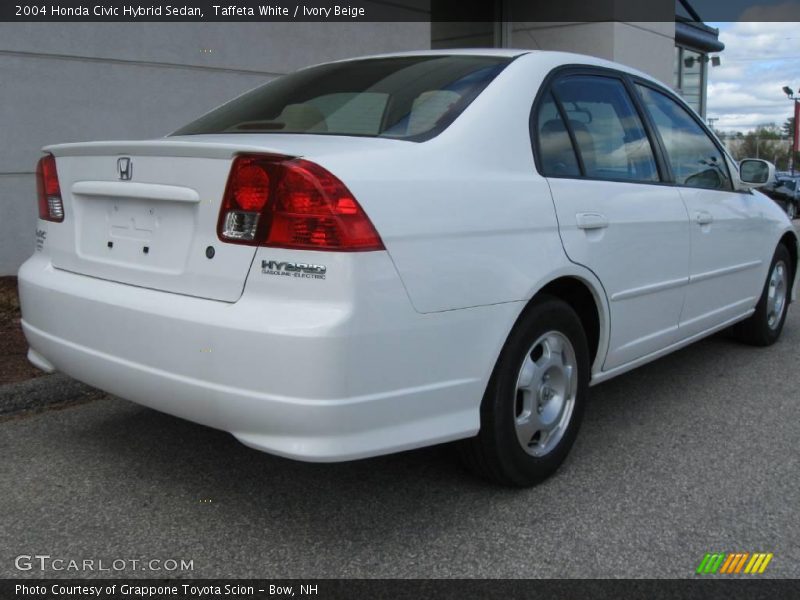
{"type": "Point", "coordinates": [694, 157]}
{"type": "Point", "coordinates": [606, 127]}
{"type": "Point", "coordinates": [413, 97]}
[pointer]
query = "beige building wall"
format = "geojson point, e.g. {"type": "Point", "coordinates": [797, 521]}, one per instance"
{"type": "Point", "coordinates": [649, 47]}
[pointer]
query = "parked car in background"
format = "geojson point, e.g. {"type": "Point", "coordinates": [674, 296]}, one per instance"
{"type": "Point", "coordinates": [785, 190]}
{"type": "Point", "coordinates": [379, 254]}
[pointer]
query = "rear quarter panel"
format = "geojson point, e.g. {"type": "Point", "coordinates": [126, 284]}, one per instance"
{"type": "Point", "coordinates": [464, 216]}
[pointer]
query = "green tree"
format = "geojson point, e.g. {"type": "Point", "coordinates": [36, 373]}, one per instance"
{"type": "Point", "coordinates": [766, 142]}
{"type": "Point", "coordinates": [788, 127]}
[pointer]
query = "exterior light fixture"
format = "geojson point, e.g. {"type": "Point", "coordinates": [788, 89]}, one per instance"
{"type": "Point", "coordinates": [689, 61]}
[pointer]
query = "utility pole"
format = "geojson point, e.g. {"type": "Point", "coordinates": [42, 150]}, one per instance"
{"type": "Point", "coordinates": [795, 136]}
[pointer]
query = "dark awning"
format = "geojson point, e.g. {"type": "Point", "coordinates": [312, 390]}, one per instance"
{"type": "Point", "coordinates": [698, 36]}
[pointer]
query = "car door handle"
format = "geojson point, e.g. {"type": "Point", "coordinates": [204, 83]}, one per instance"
{"type": "Point", "coordinates": [591, 221]}
{"type": "Point", "coordinates": [703, 218]}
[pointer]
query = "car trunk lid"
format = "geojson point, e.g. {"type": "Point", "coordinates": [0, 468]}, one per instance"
{"type": "Point", "coordinates": [155, 230]}
{"type": "Point", "coordinates": [145, 213]}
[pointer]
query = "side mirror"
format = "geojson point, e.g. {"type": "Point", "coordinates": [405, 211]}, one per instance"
{"type": "Point", "coordinates": [754, 172]}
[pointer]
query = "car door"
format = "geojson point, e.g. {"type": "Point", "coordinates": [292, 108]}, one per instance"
{"type": "Point", "coordinates": [727, 232]}
{"type": "Point", "coordinates": [615, 215]}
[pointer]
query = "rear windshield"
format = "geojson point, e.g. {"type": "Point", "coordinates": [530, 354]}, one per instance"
{"type": "Point", "coordinates": [412, 98]}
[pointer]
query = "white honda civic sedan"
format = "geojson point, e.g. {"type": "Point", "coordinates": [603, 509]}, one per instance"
{"type": "Point", "coordinates": [385, 253]}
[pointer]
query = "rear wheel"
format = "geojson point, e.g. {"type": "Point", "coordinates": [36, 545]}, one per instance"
{"type": "Point", "coordinates": [764, 326]}
{"type": "Point", "coordinates": [534, 402]}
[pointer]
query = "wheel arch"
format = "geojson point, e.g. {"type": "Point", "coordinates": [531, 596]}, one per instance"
{"type": "Point", "coordinates": [585, 294]}
{"type": "Point", "coordinates": [789, 239]}
{"type": "Point", "coordinates": [584, 301]}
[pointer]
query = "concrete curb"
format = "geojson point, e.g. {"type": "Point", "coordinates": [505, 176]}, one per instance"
{"type": "Point", "coordinates": [42, 392]}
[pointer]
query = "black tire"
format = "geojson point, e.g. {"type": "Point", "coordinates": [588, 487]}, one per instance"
{"type": "Point", "coordinates": [497, 453]}
{"type": "Point", "coordinates": [758, 329]}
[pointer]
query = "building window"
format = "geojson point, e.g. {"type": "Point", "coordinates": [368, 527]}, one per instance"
{"type": "Point", "coordinates": [690, 77]}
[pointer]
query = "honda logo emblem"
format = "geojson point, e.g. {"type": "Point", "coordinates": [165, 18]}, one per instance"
{"type": "Point", "coordinates": [125, 168]}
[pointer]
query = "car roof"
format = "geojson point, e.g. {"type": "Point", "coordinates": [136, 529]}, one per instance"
{"type": "Point", "coordinates": [508, 52]}
{"type": "Point", "coordinates": [551, 56]}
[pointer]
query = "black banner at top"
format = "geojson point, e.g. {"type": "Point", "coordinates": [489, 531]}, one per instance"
{"type": "Point", "coordinates": [398, 10]}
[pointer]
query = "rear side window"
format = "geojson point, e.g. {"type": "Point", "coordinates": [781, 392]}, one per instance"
{"type": "Point", "coordinates": [556, 154]}
{"type": "Point", "coordinates": [606, 127]}
{"type": "Point", "coordinates": [412, 98]}
{"type": "Point", "coordinates": [694, 157]}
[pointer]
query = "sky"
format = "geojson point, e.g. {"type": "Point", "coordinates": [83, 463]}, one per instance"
{"type": "Point", "coordinates": [759, 59]}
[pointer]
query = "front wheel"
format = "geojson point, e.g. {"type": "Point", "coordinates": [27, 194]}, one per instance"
{"type": "Point", "coordinates": [534, 402]}
{"type": "Point", "coordinates": [764, 326]}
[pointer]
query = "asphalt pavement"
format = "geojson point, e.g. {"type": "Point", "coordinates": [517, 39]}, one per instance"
{"type": "Point", "coordinates": [694, 453]}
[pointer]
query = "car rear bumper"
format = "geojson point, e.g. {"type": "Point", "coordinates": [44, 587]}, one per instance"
{"type": "Point", "coordinates": [318, 381]}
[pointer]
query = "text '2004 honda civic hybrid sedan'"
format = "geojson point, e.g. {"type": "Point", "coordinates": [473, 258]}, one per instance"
{"type": "Point", "coordinates": [380, 254]}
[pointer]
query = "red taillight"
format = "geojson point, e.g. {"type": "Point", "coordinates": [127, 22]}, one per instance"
{"type": "Point", "coordinates": [51, 207]}
{"type": "Point", "coordinates": [292, 203]}
{"type": "Point", "coordinates": [250, 185]}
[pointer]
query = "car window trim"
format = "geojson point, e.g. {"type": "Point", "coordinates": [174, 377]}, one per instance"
{"type": "Point", "coordinates": [665, 168]}
{"type": "Point", "coordinates": [548, 87]}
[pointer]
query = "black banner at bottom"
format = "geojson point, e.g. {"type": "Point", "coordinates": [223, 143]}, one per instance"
{"type": "Point", "coordinates": [325, 589]}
